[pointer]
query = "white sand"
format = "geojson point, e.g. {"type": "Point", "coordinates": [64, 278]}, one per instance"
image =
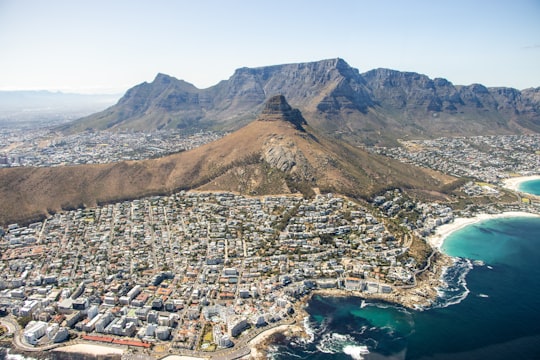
{"type": "Point", "coordinates": [442, 232]}
{"type": "Point", "coordinates": [514, 182]}
{"type": "Point", "coordinates": [91, 349]}
{"type": "Point", "coordinates": [182, 357]}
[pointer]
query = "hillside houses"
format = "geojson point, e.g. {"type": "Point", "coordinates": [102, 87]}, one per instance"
{"type": "Point", "coordinates": [486, 158]}
{"type": "Point", "coordinates": [176, 269]}
{"type": "Point", "coordinates": [158, 268]}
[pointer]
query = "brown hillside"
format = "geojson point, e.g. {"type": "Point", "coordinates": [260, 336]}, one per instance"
{"type": "Point", "coordinates": [279, 153]}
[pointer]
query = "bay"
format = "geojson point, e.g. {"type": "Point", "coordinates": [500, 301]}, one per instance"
{"type": "Point", "coordinates": [490, 309]}
{"type": "Point", "coordinates": [531, 187]}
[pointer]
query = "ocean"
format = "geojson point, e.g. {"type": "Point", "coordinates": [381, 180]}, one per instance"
{"type": "Point", "coordinates": [531, 187]}
{"type": "Point", "coordinates": [490, 309]}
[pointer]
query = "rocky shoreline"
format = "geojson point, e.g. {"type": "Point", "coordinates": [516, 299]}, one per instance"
{"type": "Point", "coordinates": [420, 296]}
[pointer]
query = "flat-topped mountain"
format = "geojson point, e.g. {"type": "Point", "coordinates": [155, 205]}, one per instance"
{"type": "Point", "coordinates": [376, 106]}
{"type": "Point", "coordinates": [276, 154]}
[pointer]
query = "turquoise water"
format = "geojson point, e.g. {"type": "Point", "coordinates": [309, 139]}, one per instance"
{"type": "Point", "coordinates": [531, 187]}
{"type": "Point", "coordinates": [490, 310]}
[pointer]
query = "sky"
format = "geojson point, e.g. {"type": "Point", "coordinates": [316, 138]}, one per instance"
{"type": "Point", "coordinates": [108, 46]}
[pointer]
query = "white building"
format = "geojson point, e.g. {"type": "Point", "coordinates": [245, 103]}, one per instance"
{"type": "Point", "coordinates": [29, 307]}
{"type": "Point", "coordinates": [236, 325]}
{"type": "Point", "coordinates": [163, 333]}
{"type": "Point", "coordinates": [224, 341]}
{"type": "Point", "coordinates": [34, 331]}
{"type": "Point", "coordinates": [92, 311]}
{"type": "Point", "coordinates": [91, 325]}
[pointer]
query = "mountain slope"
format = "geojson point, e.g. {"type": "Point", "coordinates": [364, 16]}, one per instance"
{"type": "Point", "coordinates": [377, 106]}
{"type": "Point", "coordinates": [278, 153]}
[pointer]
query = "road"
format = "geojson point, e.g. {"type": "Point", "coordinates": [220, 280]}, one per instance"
{"type": "Point", "coordinates": [18, 341]}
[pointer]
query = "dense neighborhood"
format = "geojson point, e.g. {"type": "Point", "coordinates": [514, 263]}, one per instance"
{"type": "Point", "coordinates": [45, 147]}
{"type": "Point", "coordinates": [159, 269]}
{"type": "Point", "coordinates": [201, 271]}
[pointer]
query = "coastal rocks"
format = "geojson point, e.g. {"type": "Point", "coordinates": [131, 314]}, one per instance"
{"type": "Point", "coordinates": [281, 334]}
{"type": "Point", "coordinates": [422, 295]}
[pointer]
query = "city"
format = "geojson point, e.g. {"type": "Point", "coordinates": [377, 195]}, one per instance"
{"type": "Point", "coordinates": [45, 147]}
{"type": "Point", "coordinates": [201, 272]}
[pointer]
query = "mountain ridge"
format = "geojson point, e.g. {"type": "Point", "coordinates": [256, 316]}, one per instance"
{"type": "Point", "coordinates": [377, 106]}
{"type": "Point", "coordinates": [277, 154]}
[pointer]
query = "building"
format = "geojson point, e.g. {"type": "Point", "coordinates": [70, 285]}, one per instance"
{"type": "Point", "coordinates": [73, 318]}
{"type": "Point", "coordinates": [224, 341]}
{"type": "Point", "coordinates": [29, 307]}
{"type": "Point", "coordinates": [91, 325]}
{"type": "Point", "coordinates": [236, 325]}
{"type": "Point", "coordinates": [354, 284]}
{"type": "Point", "coordinates": [34, 331]}
{"type": "Point", "coordinates": [163, 333]}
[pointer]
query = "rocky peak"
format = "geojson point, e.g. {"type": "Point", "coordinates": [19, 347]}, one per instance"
{"type": "Point", "coordinates": [278, 109]}
{"type": "Point", "coordinates": [163, 78]}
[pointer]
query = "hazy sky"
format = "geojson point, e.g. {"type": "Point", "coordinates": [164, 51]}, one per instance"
{"type": "Point", "coordinates": [110, 46]}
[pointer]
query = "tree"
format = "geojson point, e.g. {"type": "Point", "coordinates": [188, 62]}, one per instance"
{"type": "Point", "coordinates": [24, 320]}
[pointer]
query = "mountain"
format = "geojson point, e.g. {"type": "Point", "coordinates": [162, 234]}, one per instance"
{"type": "Point", "coordinates": [435, 107]}
{"type": "Point", "coordinates": [278, 153]}
{"type": "Point", "coordinates": [376, 106]}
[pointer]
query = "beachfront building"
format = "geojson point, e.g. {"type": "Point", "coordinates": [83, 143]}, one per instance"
{"type": "Point", "coordinates": [354, 284]}
{"type": "Point", "coordinates": [34, 331]}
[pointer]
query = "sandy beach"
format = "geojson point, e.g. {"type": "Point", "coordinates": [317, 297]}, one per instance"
{"type": "Point", "coordinates": [442, 232]}
{"type": "Point", "coordinates": [514, 182]}
{"type": "Point", "coordinates": [182, 357]}
{"type": "Point", "coordinates": [91, 349]}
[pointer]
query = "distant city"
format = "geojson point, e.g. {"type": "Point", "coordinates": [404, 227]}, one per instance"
{"type": "Point", "coordinates": [43, 147]}
{"type": "Point", "coordinates": [488, 158]}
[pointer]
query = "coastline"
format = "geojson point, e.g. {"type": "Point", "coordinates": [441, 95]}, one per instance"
{"type": "Point", "coordinates": [259, 344]}
{"type": "Point", "coordinates": [419, 296]}
{"type": "Point", "coordinates": [442, 232]}
{"type": "Point", "coordinates": [513, 183]}
{"type": "Point", "coordinates": [91, 349]}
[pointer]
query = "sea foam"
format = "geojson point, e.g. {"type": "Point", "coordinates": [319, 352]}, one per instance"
{"type": "Point", "coordinates": [356, 352]}
{"type": "Point", "coordinates": [310, 331]}
{"type": "Point", "coordinates": [455, 290]}
{"type": "Point", "coordinates": [338, 343]}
